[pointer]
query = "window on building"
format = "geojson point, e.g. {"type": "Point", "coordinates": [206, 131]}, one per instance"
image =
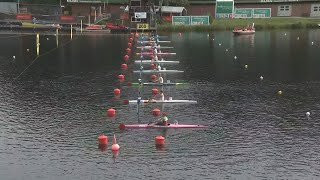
{"type": "Point", "coordinates": [285, 8]}
{"type": "Point", "coordinates": [316, 8]}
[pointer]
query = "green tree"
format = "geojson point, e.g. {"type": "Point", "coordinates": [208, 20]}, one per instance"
{"type": "Point", "coordinates": [40, 1]}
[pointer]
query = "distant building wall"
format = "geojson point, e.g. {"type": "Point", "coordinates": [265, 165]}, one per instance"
{"type": "Point", "coordinates": [303, 9]}
{"type": "Point", "coordinates": [8, 7]}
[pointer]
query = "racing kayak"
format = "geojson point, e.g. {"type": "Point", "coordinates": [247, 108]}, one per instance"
{"type": "Point", "coordinates": [160, 101]}
{"type": "Point", "coordinates": [160, 53]}
{"type": "Point", "coordinates": [160, 84]}
{"type": "Point", "coordinates": [158, 71]}
{"type": "Point", "coordinates": [123, 126]}
{"type": "Point", "coordinates": [151, 47]}
{"type": "Point", "coordinates": [156, 62]}
{"type": "Point", "coordinates": [153, 41]}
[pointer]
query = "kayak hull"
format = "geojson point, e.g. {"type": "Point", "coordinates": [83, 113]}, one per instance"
{"type": "Point", "coordinates": [155, 62]}
{"type": "Point", "coordinates": [150, 126]}
{"type": "Point", "coordinates": [145, 101]}
{"type": "Point", "coordinates": [158, 71]}
{"type": "Point", "coordinates": [160, 84]}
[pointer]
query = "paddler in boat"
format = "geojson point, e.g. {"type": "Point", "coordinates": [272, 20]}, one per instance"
{"type": "Point", "coordinates": [151, 100]}
{"type": "Point", "coordinates": [161, 95]}
{"type": "Point", "coordinates": [160, 79]}
{"type": "Point", "coordinates": [163, 121]}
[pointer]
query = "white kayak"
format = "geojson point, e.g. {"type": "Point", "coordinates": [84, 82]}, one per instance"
{"type": "Point", "coordinates": [155, 62]}
{"type": "Point", "coordinates": [153, 41]}
{"type": "Point", "coordinates": [144, 101]}
{"type": "Point", "coordinates": [160, 53]}
{"type": "Point", "coordinates": [158, 71]}
{"type": "Point", "coordinates": [152, 47]}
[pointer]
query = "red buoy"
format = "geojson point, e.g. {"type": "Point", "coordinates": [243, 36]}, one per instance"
{"type": "Point", "coordinates": [156, 112]}
{"type": "Point", "coordinates": [152, 57]}
{"type": "Point", "coordinates": [116, 92]}
{"type": "Point", "coordinates": [128, 51]}
{"type": "Point", "coordinates": [153, 77]}
{"type": "Point", "coordinates": [180, 34]}
{"type": "Point", "coordinates": [137, 35]}
{"type": "Point", "coordinates": [155, 91]}
{"type": "Point", "coordinates": [159, 140]}
{"type": "Point", "coordinates": [130, 39]}
{"type": "Point", "coordinates": [103, 140]}
{"type": "Point", "coordinates": [125, 101]}
{"type": "Point", "coordinates": [124, 66]}
{"type": "Point", "coordinates": [122, 126]}
{"type": "Point", "coordinates": [153, 66]}
{"type": "Point", "coordinates": [131, 34]}
{"type": "Point", "coordinates": [111, 112]}
{"type": "Point", "coordinates": [150, 50]}
{"type": "Point", "coordinates": [126, 57]}
{"type": "Point", "coordinates": [129, 44]}
{"type": "Point", "coordinates": [121, 77]}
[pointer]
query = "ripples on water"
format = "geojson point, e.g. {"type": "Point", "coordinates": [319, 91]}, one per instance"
{"type": "Point", "coordinates": [52, 114]}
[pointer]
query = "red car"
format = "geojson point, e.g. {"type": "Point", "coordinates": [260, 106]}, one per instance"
{"type": "Point", "coordinates": [115, 26]}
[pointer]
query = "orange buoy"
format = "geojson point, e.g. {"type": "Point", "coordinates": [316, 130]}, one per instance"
{"type": "Point", "coordinates": [153, 66]}
{"type": "Point", "coordinates": [111, 112]}
{"type": "Point", "coordinates": [159, 140]}
{"type": "Point", "coordinates": [129, 44]}
{"type": "Point", "coordinates": [153, 77]}
{"type": "Point", "coordinates": [124, 66]}
{"type": "Point", "coordinates": [115, 146]}
{"type": "Point", "coordinates": [121, 77]}
{"type": "Point", "coordinates": [126, 57]}
{"type": "Point", "coordinates": [103, 140]}
{"type": "Point", "coordinates": [116, 91]}
{"type": "Point", "coordinates": [156, 112]}
{"type": "Point", "coordinates": [130, 39]}
{"type": "Point", "coordinates": [125, 101]}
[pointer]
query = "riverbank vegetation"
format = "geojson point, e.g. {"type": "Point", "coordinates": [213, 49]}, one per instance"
{"type": "Point", "coordinates": [260, 24]}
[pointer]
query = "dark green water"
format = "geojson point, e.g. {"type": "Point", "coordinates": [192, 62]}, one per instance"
{"type": "Point", "coordinates": [52, 112]}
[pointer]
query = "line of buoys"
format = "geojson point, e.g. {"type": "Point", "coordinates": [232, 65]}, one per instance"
{"type": "Point", "coordinates": [111, 112]}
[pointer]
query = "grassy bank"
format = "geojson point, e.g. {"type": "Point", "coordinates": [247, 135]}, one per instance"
{"type": "Point", "coordinates": [260, 24]}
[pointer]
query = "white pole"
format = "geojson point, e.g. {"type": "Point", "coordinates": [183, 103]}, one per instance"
{"type": "Point", "coordinates": [57, 37]}
{"type": "Point", "coordinates": [81, 25]}
{"type": "Point", "coordinates": [71, 32]}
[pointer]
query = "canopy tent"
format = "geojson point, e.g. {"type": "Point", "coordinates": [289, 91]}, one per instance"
{"type": "Point", "coordinates": [173, 9]}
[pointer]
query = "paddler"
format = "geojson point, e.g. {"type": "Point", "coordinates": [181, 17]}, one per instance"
{"type": "Point", "coordinates": [160, 79]}
{"type": "Point", "coordinates": [163, 121]}
{"type": "Point", "coordinates": [161, 95]}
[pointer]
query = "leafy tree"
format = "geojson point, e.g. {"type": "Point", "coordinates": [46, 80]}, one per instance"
{"type": "Point", "coordinates": [40, 1]}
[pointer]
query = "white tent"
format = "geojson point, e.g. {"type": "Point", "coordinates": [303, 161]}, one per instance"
{"type": "Point", "coordinates": [173, 9]}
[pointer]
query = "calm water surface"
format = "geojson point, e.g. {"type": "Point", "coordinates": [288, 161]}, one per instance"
{"type": "Point", "coordinates": [53, 108]}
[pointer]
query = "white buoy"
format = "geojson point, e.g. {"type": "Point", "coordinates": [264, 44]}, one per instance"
{"type": "Point", "coordinates": [28, 50]}
{"type": "Point", "coordinates": [219, 44]}
{"type": "Point", "coordinates": [285, 34]}
{"type": "Point", "coordinates": [14, 57]}
{"type": "Point", "coordinates": [246, 66]}
{"type": "Point", "coordinates": [261, 78]}
{"type": "Point", "coordinates": [235, 57]}
{"type": "Point", "coordinates": [208, 35]}
{"type": "Point", "coordinates": [47, 39]}
{"type": "Point", "coordinates": [307, 114]}
{"type": "Point", "coordinates": [298, 38]}
{"type": "Point", "coordinates": [312, 43]}
{"type": "Point", "coordinates": [213, 39]}
{"type": "Point", "coordinates": [227, 50]}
